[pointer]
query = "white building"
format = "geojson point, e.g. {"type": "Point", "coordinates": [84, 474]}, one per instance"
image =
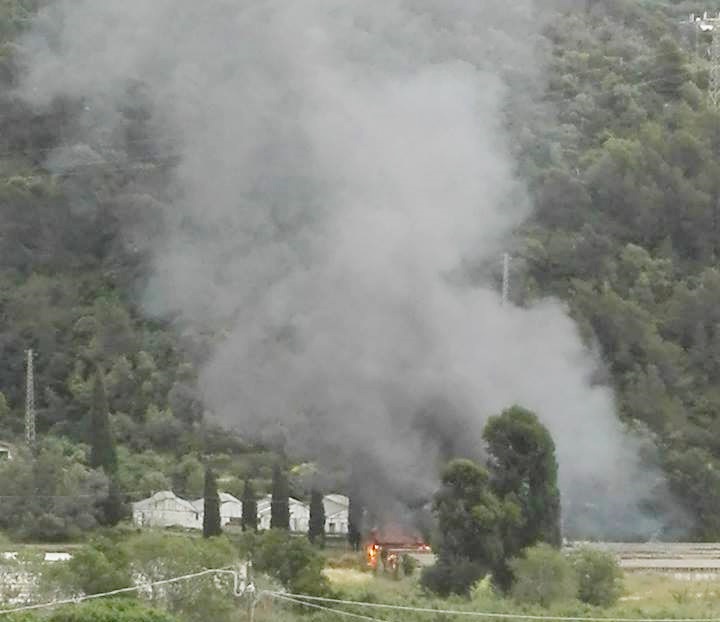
{"type": "Point", "coordinates": [230, 509]}
{"type": "Point", "coordinates": [6, 451]}
{"type": "Point", "coordinates": [165, 509]}
{"type": "Point", "coordinates": [299, 514]}
{"type": "Point", "coordinates": [336, 513]}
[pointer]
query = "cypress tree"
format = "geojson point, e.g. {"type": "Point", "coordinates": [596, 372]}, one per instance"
{"type": "Point", "coordinates": [316, 530]}
{"type": "Point", "coordinates": [355, 515]}
{"type": "Point", "coordinates": [249, 519]}
{"type": "Point", "coordinates": [103, 454]}
{"type": "Point", "coordinates": [102, 446]}
{"type": "Point", "coordinates": [280, 502]}
{"type": "Point", "coordinates": [211, 507]}
{"type": "Point", "coordinates": [114, 507]}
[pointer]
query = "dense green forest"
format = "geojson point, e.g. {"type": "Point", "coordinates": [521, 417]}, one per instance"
{"type": "Point", "coordinates": [622, 157]}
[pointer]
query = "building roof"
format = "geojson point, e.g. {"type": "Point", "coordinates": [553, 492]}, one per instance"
{"type": "Point", "coordinates": [228, 498]}
{"type": "Point", "coordinates": [163, 495]}
{"type": "Point", "coordinates": [338, 499]}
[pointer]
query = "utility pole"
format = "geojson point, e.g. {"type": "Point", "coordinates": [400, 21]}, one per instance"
{"type": "Point", "coordinates": [714, 86]}
{"type": "Point", "coordinates": [30, 403]}
{"type": "Point", "coordinates": [506, 279]}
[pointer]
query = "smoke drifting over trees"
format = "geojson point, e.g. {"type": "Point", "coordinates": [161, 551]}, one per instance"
{"type": "Point", "coordinates": [339, 166]}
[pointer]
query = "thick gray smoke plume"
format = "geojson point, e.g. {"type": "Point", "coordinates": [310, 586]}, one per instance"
{"type": "Point", "coordinates": [339, 161]}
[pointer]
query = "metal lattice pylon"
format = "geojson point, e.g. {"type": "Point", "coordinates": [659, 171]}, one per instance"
{"type": "Point", "coordinates": [30, 402]}
{"type": "Point", "coordinates": [714, 86]}
{"type": "Point", "coordinates": [506, 279]}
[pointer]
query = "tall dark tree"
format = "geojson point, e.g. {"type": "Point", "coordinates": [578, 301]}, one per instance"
{"type": "Point", "coordinates": [102, 446]}
{"type": "Point", "coordinates": [355, 522]}
{"type": "Point", "coordinates": [316, 530]}
{"type": "Point", "coordinates": [211, 506]}
{"type": "Point", "coordinates": [249, 520]}
{"type": "Point", "coordinates": [523, 471]}
{"type": "Point", "coordinates": [470, 525]}
{"type": "Point", "coordinates": [280, 500]}
{"type": "Point", "coordinates": [103, 454]}
{"type": "Point", "coordinates": [114, 507]}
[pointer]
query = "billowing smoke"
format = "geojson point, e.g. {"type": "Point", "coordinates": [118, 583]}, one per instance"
{"type": "Point", "coordinates": [340, 161]}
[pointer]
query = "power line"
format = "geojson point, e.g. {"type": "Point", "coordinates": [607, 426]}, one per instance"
{"type": "Point", "coordinates": [485, 614]}
{"type": "Point", "coordinates": [347, 614]}
{"type": "Point", "coordinates": [239, 589]}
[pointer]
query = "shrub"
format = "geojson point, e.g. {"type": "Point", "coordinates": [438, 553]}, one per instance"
{"type": "Point", "coordinates": [599, 577]}
{"type": "Point", "coordinates": [99, 567]}
{"type": "Point", "coordinates": [110, 611]}
{"type": "Point", "coordinates": [292, 561]}
{"type": "Point", "coordinates": [409, 564]}
{"type": "Point", "coordinates": [350, 561]}
{"type": "Point", "coordinates": [543, 576]}
{"type": "Point", "coordinates": [452, 576]}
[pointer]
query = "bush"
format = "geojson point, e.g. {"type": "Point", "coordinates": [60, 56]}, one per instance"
{"type": "Point", "coordinates": [99, 567]}
{"type": "Point", "coordinates": [409, 564]}
{"type": "Point", "coordinates": [349, 561]}
{"type": "Point", "coordinates": [543, 576]}
{"type": "Point", "coordinates": [599, 577]}
{"type": "Point", "coordinates": [108, 611]}
{"type": "Point", "coordinates": [292, 561]}
{"type": "Point", "coordinates": [112, 612]}
{"type": "Point", "coordinates": [454, 576]}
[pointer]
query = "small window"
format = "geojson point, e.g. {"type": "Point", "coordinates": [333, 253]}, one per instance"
{"type": "Point", "coordinates": [331, 527]}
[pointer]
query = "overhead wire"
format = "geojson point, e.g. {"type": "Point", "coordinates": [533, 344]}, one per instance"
{"type": "Point", "coordinates": [125, 590]}
{"type": "Point", "coordinates": [348, 614]}
{"type": "Point", "coordinates": [483, 614]}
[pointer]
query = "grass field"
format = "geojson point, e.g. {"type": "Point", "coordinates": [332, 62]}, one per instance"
{"type": "Point", "coordinates": [647, 595]}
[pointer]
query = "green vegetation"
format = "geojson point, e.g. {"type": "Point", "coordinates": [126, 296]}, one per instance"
{"type": "Point", "coordinates": [599, 577]}
{"type": "Point", "coordinates": [280, 499]}
{"type": "Point", "coordinates": [355, 522]}
{"type": "Point", "coordinates": [103, 454]}
{"type": "Point", "coordinates": [620, 154]}
{"type": "Point", "coordinates": [316, 531]}
{"type": "Point", "coordinates": [211, 506]}
{"type": "Point", "coordinates": [485, 518]}
{"type": "Point", "coordinates": [249, 507]}
{"type": "Point", "coordinates": [105, 611]}
{"type": "Point", "coordinates": [290, 560]}
{"type": "Point", "coordinates": [543, 576]}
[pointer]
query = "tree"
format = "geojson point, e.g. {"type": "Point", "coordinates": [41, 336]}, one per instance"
{"type": "Point", "coordinates": [66, 495]}
{"type": "Point", "coordinates": [157, 557]}
{"type": "Point", "coordinates": [280, 500]}
{"type": "Point", "coordinates": [523, 470]}
{"type": "Point", "coordinates": [102, 446]}
{"type": "Point", "coordinates": [355, 522]}
{"type": "Point", "coordinates": [316, 530]}
{"type": "Point", "coordinates": [101, 566]}
{"type": "Point", "coordinates": [114, 507]}
{"type": "Point", "coordinates": [249, 520]}
{"type": "Point", "coordinates": [291, 561]}
{"type": "Point", "coordinates": [211, 506]}
{"type": "Point", "coordinates": [543, 576]}
{"type": "Point", "coordinates": [599, 577]}
{"type": "Point", "coordinates": [470, 519]}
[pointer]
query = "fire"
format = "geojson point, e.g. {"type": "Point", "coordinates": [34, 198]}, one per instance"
{"type": "Point", "coordinates": [372, 555]}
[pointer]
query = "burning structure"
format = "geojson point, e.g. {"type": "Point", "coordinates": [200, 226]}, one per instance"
{"type": "Point", "coordinates": [385, 545]}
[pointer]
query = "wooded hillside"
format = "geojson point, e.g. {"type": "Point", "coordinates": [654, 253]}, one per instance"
{"type": "Point", "coordinates": [622, 157]}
